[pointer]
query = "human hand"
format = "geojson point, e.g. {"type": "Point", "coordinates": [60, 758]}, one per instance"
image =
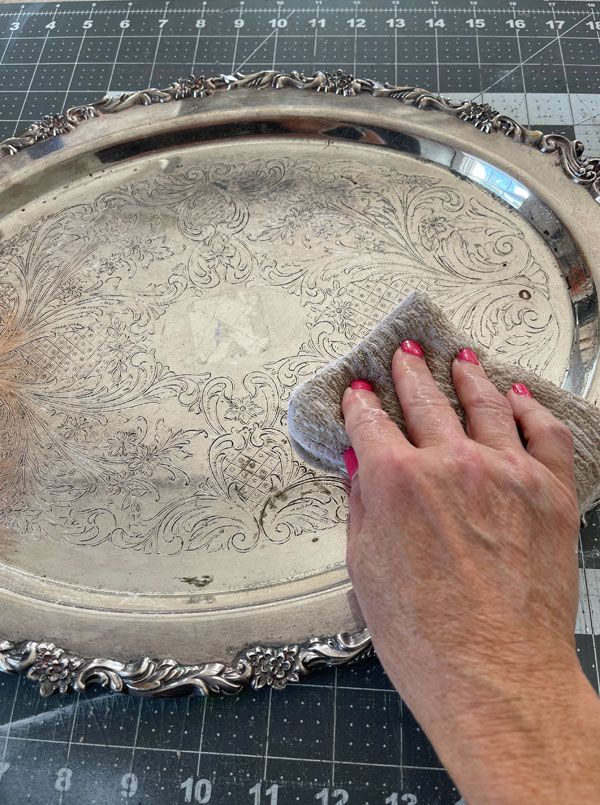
{"type": "Point", "coordinates": [462, 552]}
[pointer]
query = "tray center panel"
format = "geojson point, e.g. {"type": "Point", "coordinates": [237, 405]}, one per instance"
{"type": "Point", "coordinates": [154, 321]}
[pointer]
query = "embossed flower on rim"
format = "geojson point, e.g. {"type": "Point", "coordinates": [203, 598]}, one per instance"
{"type": "Point", "coordinates": [74, 428]}
{"type": "Point", "coordinates": [54, 669]}
{"type": "Point", "coordinates": [340, 83]}
{"type": "Point", "coordinates": [194, 86]}
{"type": "Point", "coordinates": [243, 409]}
{"type": "Point", "coordinates": [480, 115]}
{"type": "Point", "coordinates": [275, 667]}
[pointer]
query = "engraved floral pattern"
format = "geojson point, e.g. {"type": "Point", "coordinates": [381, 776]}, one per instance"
{"type": "Point", "coordinates": [96, 404]}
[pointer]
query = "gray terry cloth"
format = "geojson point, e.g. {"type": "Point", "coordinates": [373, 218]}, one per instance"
{"type": "Point", "coordinates": [315, 417]}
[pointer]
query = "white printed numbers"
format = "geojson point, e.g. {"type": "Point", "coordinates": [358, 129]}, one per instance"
{"type": "Point", "coordinates": [4, 767]}
{"type": "Point", "coordinates": [340, 796]}
{"type": "Point", "coordinates": [357, 22]}
{"type": "Point", "coordinates": [200, 23]}
{"type": "Point", "coordinates": [199, 791]}
{"type": "Point", "coordinates": [51, 25]}
{"type": "Point", "coordinates": [593, 25]}
{"type": "Point", "coordinates": [515, 23]}
{"type": "Point", "coordinates": [129, 785]}
{"type": "Point", "coordinates": [124, 24]}
{"type": "Point", "coordinates": [317, 22]}
{"type": "Point", "coordinates": [87, 24]}
{"type": "Point", "coordinates": [278, 23]}
{"type": "Point", "coordinates": [475, 23]}
{"type": "Point", "coordinates": [433, 23]}
{"type": "Point", "coordinates": [162, 23]}
{"type": "Point", "coordinates": [14, 26]}
{"type": "Point", "coordinates": [396, 22]}
{"type": "Point", "coordinates": [63, 779]}
{"type": "Point", "coordinates": [393, 799]}
{"type": "Point", "coordinates": [238, 23]}
{"type": "Point", "coordinates": [556, 25]}
{"type": "Point", "coordinates": [272, 793]}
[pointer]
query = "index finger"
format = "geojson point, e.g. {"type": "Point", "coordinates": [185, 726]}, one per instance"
{"type": "Point", "coordinates": [370, 429]}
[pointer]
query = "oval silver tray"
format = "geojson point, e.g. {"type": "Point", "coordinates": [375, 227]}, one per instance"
{"type": "Point", "coordinates": [172, 263]}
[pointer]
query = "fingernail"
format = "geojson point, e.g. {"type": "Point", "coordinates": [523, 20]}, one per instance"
{"type": "Point", "coordinates": [412, 348]}
{"type": "Point", "coordinates": [521, 388]}
{"type": "Point", "coordinates": [351, 462]}
{"type": "Point", "coordinates": [364, 385]}
{"type": "Point", "coordinates": [467, 355]}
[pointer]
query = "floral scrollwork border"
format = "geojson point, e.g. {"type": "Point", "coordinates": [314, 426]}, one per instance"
{"type": "Point", "coordinates": [580, 169]}
{"type": "Point", "coordinates": [56, 670]}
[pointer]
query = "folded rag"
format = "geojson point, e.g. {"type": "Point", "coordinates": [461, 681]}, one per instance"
{"type": "Point", "coordinates": [315, 419]}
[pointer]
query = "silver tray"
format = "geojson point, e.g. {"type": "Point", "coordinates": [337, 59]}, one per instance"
{"type": "Point", "coordinates": [172, 263]}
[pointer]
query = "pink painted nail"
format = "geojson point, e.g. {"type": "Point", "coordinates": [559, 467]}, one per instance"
{"type": "Point", "coordinates": [521, 388]}
{"type": "Point", "coordinates": [363, 385]}
{"type": "Point", "coordinates": [351, 462]}
{"type": "Point", "coordinates": [412, 348]}
{"type": "Point", "coordinates": [467, 355]}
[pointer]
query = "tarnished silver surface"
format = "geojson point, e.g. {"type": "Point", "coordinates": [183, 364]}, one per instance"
{"type": "Point", "coordinates": [168, 275]}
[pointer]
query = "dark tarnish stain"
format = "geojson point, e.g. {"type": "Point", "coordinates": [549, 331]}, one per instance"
{"type": "Point", "coordinates": [201, 582]}
{"type": "Point", "coordinates": [279, 497]}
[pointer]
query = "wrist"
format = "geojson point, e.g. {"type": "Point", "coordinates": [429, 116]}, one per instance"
{"type": "Point", "coordinates": [507, 741]}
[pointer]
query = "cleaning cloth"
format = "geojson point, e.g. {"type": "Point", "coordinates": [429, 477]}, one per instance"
{"type": "Point", "coordinates": [315, 418]}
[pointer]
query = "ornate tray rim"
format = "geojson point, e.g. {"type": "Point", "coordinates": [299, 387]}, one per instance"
{"type": "Point", "coordinates": [55, 668]}
{"type": "Point", "coordinates": [582, 170]}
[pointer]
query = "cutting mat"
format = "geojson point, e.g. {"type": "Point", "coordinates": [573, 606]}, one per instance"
{"type": "Point", "coordinates": [342, 736]}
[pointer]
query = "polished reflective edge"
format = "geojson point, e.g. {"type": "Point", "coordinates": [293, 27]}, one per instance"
{"type": "Point", "coordinates": [581, 170]}
{"type": "Point", "coordinates": [53, 667]}
{"type": "Point", "coordinates": [56, 670]}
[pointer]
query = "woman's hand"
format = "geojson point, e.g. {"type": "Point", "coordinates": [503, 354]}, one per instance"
{"type": "Point", "coordinates": [462, 553]}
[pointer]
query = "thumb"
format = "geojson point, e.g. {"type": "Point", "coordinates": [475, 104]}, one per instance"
{"type": "Point", "coordinates": [356, 509]}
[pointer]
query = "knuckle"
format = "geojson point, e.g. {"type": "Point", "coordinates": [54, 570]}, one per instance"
{"type": "Point", "coordinates": [398, 464]}
{"type": "Point", "coordinates": [430, 402]}
{"type": "Point", "coordinates": [555, 429]}
{"type": "Point", "coordinates": [489, 402]}
{"type": "Point", "coordinates": [366, 419]}
{"type": "Point", "coordinates": [522, 473]}
{"type": "Point", "coordinates": [395, 471]}
{"type": "Point", "coordinates": [516, 458]}
{"type": "Point", "coordinates": [466, 455]}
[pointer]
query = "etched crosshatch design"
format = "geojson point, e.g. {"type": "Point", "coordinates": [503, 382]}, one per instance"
{"type": "Point", "coordinates": [373, 299]}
